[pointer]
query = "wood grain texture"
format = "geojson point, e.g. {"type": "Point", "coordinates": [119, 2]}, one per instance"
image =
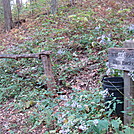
{"type": "Point", "coordinates": [121, 58]}
{"type": "Point", "coordinates": [128, 91]}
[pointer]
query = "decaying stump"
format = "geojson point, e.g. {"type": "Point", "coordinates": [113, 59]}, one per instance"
{"type": "Point", "coordinates": [45, 57]}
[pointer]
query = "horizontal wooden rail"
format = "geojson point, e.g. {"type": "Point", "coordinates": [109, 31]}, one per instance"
{"type": "Point", "coordinates": [36, 55]}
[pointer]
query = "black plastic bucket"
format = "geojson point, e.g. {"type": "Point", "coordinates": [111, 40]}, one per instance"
{"type": "Point", "coordinates": [114, 82]}
{"type": "Point", "coordinates": [115, 89]}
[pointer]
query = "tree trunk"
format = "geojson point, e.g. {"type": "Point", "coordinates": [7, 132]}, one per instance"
{"type": "Point", "coordinates": [54, 6]}
{"type": "Point", "coordinates": [7, 15]}
{"type": "Point", "coordinates": [18, 5]}
{"type": "Point", "coordinates": [32, 2]}
{"type": "Point", "coordinates": [72, 2]}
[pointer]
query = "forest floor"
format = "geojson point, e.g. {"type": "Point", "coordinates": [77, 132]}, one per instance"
{"type": "Point", "coordinates": [13, 121]}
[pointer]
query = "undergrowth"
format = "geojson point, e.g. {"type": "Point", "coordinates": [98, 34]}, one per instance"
{"type": "Point", "coordinates": [68, 35]}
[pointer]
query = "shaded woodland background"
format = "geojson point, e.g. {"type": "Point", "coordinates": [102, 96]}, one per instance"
{"type": "Point", "coordinates": [79, 34]}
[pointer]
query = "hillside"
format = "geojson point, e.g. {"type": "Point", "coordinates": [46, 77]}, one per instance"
{"type": "Point", "coordinates": [79, 38]}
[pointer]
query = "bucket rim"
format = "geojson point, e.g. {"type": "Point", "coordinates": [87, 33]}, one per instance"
{"type": "Point", "coordinates": [108, 79]}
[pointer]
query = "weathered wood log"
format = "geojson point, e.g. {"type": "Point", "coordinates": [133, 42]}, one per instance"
{"type": "Point", "coordinates": [48, 72]}
{"type": "Point", "coordinates": [128, 90]}
{"type": "Point", "coordinates": [37, 55]}
{"type": "Point", "coordinates": [45, 57]}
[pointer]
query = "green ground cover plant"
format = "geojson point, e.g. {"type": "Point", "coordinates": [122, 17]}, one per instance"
{"type": "Point", "coordinates": [80, 33]}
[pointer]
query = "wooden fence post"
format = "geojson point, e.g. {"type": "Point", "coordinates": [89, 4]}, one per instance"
{"type": "Point", "coordinates": [48, 72]}
{"type": "Point", "coordinates": [128, 90]}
